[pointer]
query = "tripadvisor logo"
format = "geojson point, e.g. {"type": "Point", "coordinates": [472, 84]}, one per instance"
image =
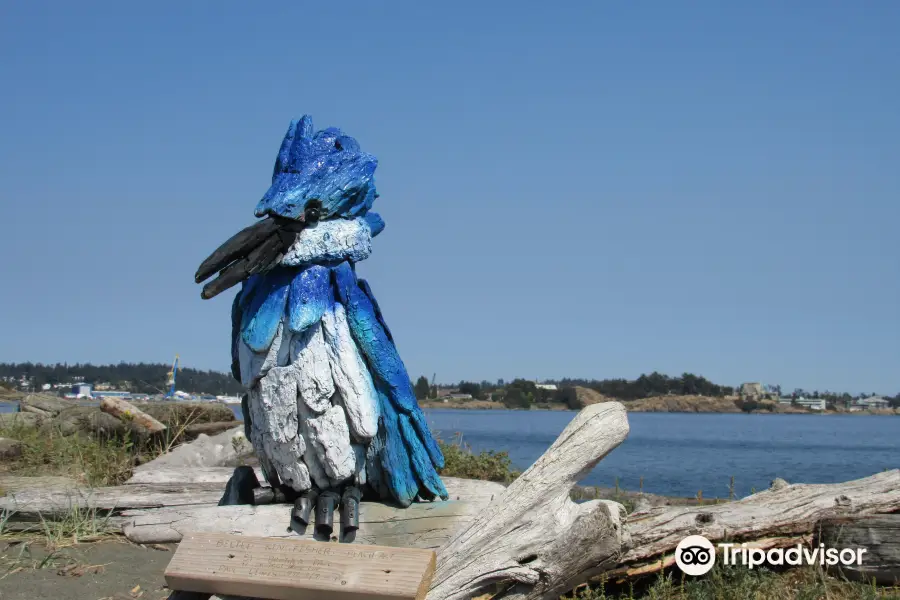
{"type": "Point", "coordinates": [696, 555]}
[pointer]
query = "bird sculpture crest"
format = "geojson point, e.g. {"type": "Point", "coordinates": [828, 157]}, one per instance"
{"type": "Point", "coordinates": [329, 407]}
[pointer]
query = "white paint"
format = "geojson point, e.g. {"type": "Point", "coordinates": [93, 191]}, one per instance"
{"type": "Point", "coordinates": [359, 478]}
{"type": "Point", "coordinates": [309, 359]}
{"type": "Point", "coordinates": [330, 437]}
{"type": "Point", "coordinates": [254, 365]}
{"type": "Point", "coordinates": [329, 241]}
{"type": "Point", "coordinates": [276, 432]}
{"type": "Point", "coordinates": [351, 376]}
{"type": "Point", "coordinates": [311, 457]}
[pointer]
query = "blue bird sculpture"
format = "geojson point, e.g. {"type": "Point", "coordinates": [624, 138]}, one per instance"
{"type": "Point", "coordinates": [329, 406]}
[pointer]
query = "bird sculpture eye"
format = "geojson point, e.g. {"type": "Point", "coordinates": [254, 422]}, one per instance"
{"type": "Point", "coordinates": [312, 211]}
{"type": "Point", "coordinates": [337, 145]}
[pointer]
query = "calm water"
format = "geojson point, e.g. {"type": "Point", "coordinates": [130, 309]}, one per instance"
{"type": "Point", "coordinates": [679, 454]}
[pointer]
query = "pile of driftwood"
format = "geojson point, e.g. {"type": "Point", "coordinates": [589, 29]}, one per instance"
{"type": "Point", "coordinates": [116, 417]}
{"type": "Point", "coordinates": [527, 540]}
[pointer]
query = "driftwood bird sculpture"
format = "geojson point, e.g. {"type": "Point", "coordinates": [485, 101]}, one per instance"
{"type": "Point", "coordinates": [329, 407]}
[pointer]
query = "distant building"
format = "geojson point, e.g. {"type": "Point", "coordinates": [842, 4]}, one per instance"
{"type": "Point", "coordinates": [546, 386]}
{"type": "Point", "coordinates": [873, 403]}
{"type": "Point", "coordinates": [111, 394]}
{"type": "Point", "coordinates": [459, 396]}
{"type": "Point", "coordinates": [810, 403]}
{"type": "Point", "coordinates": [82, 390]}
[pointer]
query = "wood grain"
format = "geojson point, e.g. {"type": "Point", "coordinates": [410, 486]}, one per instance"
{"type": "Point", "coordinates": [129, 413]}
{"type": "Point", "coordinates": [298, 570]}
{"type": "Point", "coordinates": [878, 534]}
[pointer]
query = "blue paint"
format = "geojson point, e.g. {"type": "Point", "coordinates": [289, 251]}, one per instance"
{"type": "Point", "coordinates": [383, 358]}
{"type": "Point", "coordinates": [375, 222]}
{"type": "Point", "coordinates": [367, 290]}
{"type": "Point", "coordinates": [248, 289]}
{"type": "Point", "coordinates": [265, 310]}
{"type": "Point", "coordinates": [309, 296]}
{"type": "Point", "coordinates": [395, 459]}
{"type": "Point", "coordinates": [421, 461]}
{"type": "Point", "coordinates": [381, 354]}
{"type": "Point", "coordinates": [327, 166]}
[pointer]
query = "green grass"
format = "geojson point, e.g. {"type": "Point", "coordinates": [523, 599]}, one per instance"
{"type": "Point", "coordinates": [460, 461]}
{"type": "Point", "coordinates": [738, 582]}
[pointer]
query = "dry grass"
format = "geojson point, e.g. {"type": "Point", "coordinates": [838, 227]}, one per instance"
{"type": "Point", "coordinates": [90, 459]}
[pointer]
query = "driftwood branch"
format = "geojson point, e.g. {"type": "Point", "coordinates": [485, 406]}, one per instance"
{"type": "Point", "coordinates": [210, 428]}
{"type": "Point", "coordinates": [533, 541]}
{"type": "Point", "coordinates": [127, 412]}
{"type": "Point", "coordinates": [774, 517]}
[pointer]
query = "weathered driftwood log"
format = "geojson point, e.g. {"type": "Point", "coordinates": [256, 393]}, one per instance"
{"type": "Point", "coordinates": [50, 502]}
{"type": "Point", "coordinates": [533, 541]}
{"type": "Point", "coordinates": [219, 475]}
{"type": "Point", "coordinates": [129, 413]}
{"type": "Point", "coordinates": [423, 525]}
{"type": "Point", "coordinates": [772, 518]}
{"type": "Point", "coordinates": [210, 428]}
{"type": "Point", "coordinates": [878, 534]}
{"type": "Point", "coordinates": [88, 419]}
{"type": "Point", "coordinates": [41, 404]}
{"type": "Point", "coordinates": [177, 414]}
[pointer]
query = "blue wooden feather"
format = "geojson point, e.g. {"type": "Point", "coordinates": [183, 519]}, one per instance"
{"type": "Point", "coordinates": [327, 166]}
{"type": "Point", "coordinates": [265, 310]}
{"type": "Point", "coordinates": [376, 223]}
{"type": "Point", "coordinates": [395, 458]}
{"type": "Point", "coordinates": [367, 290]}
{"type": "Point", "coordinates": [310, 295]}
{"type": "Point", "coordinates": [421, 461]}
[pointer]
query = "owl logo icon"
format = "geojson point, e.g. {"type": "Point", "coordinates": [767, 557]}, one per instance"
{"type": "Point", "coordinates": [695, 555]}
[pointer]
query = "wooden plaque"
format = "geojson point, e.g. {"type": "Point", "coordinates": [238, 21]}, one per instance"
{"type": "Point", "coordinates": [285, 569]}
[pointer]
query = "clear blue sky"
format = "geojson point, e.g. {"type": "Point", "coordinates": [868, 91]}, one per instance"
{"type": "Point", "coordinates": [600, 191]}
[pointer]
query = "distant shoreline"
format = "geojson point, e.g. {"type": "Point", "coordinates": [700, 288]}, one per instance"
{"type": "Point", "coordinates": [639, 406]}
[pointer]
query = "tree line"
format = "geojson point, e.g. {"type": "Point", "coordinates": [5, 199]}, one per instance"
{"type": "Point", "coordinates": [141, 378]}
{"type": "Point", "coordinates": [521, 393]}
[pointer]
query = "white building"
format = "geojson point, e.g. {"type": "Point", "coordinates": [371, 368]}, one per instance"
{"type": "Point", "coordinates": [546, 386]}
{"type": "Point", "coordinates": [873, 403]}
{"type": "Point", "coordinates": [810, 403]}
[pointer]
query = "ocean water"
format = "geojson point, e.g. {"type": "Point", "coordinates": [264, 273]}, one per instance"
{"type": "Point", "coordinates": [681, 454]}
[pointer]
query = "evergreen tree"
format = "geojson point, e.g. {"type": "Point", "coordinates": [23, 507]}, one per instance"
{"type": "Point", "coordinates": [422, 388]}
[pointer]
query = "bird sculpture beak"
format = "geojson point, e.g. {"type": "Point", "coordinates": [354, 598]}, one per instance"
{"type": "Point", "coordinates": [249, 251]}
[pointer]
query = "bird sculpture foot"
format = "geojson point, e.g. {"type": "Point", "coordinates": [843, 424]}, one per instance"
{"type": "Point", "coordinates": [304, 507]}
{"type": "Point", "coordinates": [320, 507]}
{"type": "Point", "coordinates": [326, 504]}
{"type": "Point", "coordinates": [350, 510]}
